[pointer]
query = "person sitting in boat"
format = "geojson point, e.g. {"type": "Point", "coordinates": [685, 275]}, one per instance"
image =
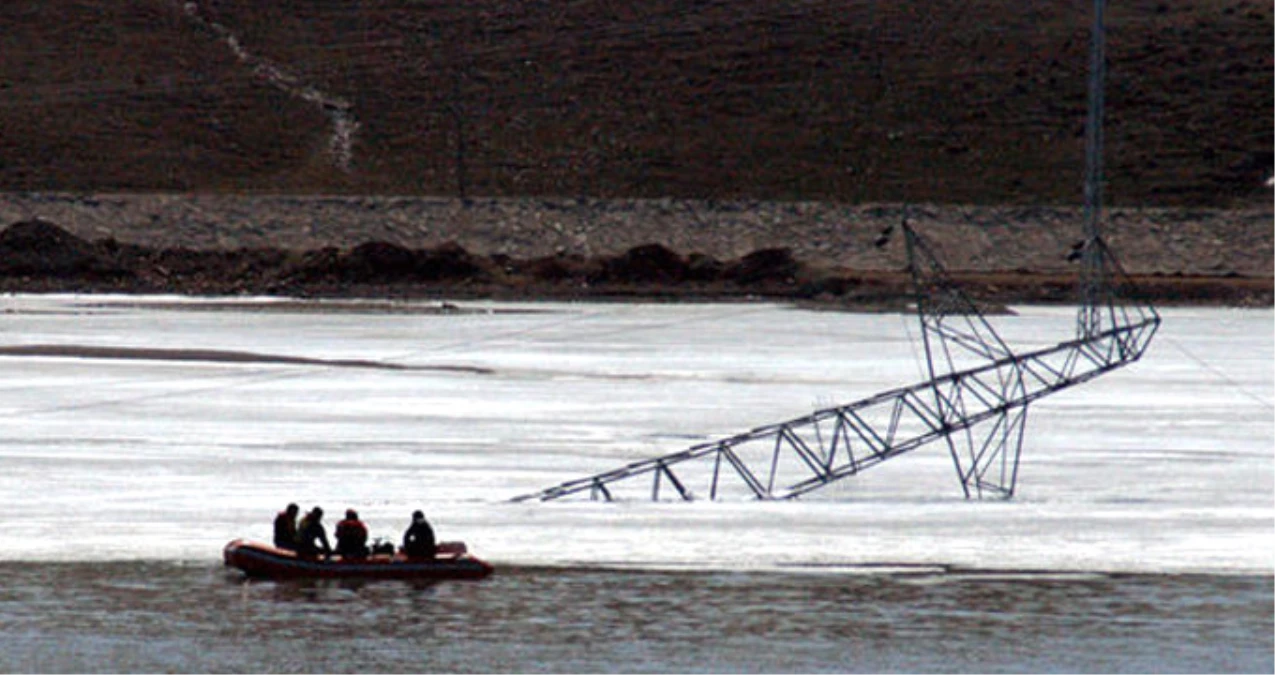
{"type": "Point", "coordinates": [418, 540]}
{"type": "Point", "coordinates": [285, 528]}
{"type": "Point", "coordinates": [311, 530]}
{"type": "Point", "coordinates": [351, 536]}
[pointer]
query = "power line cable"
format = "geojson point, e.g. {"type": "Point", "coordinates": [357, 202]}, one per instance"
{"type": "Point", "coordinates": [1220, 375]}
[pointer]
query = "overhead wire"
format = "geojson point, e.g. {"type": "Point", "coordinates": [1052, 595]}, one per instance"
{"type": "Point", "coordinates": [1216, 372]}
{"type": "Point", "coordinates": [375, 63]}
{"type": "Point", "coordinates": [253, 376]}
{"type": "Point", "coordinates": [258, 375]}
{"type": "Point", "coordinates": [370, 63]}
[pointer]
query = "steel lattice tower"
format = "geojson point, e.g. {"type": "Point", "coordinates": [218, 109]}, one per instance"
{"type": "Point", "coordinates": [975, 400]}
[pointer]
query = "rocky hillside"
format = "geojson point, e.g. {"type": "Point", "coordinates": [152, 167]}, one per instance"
{"type": "Point", "coordinates": [936, 101]}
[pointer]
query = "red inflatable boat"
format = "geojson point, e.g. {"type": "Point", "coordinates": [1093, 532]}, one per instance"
{"type": "Point", "coordinates": [258, 560]}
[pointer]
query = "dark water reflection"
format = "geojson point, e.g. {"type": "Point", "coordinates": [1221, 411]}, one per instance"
{"type": "Point", "coordinates": [129, 617]}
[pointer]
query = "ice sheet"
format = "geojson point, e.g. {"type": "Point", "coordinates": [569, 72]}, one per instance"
{"type": "Point", "coordinates": [1162, 466]}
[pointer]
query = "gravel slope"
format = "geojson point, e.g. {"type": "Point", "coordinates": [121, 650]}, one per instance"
{"type": "Point", "coordinates": [1208, 242]}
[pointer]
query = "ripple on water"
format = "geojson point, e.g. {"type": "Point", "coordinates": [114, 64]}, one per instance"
{"type": "Point", "coordinates": [150, 616]}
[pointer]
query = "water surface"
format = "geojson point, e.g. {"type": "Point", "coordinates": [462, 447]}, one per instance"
{"type": "Point", "coordinates": [184, 617]}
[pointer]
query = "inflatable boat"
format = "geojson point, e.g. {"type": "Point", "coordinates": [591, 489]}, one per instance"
{"type": "Point", "coordinates": [262, 561]}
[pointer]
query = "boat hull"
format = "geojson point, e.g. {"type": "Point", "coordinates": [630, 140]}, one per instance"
{"type": "Point", "coordinates": [262, 561]}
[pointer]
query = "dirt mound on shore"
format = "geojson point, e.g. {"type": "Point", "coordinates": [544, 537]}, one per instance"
{"type": "Point", "coordinates": [384, 262]}
{"type": "Point", "coordinates": [41, 249]}
{"type": "Point", "coordinates": [39, 256]}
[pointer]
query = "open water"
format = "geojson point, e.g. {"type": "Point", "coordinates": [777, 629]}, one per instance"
{"type": "Point", "coordinates": [166, 616]}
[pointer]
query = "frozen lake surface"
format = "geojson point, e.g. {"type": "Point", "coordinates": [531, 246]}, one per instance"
{"type": "Point", "coordinates": [1165, 466]}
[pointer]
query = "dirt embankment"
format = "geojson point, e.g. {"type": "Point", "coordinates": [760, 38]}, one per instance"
{"type": "Point", "coordinates": [715, 148]}
{"type": "Point", "coordinates": [590, 249]}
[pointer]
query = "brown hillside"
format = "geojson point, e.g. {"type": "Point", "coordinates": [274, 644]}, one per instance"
{"type": "Point", "coordinates": [942, 101]}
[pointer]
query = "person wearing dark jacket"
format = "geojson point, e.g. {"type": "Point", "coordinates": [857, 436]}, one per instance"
{"type": "Point", "coordinates": [311, 530]}
{"type": "Point", "coordinates": [351, 536]}
{"type": "Point", "coordinates": [418, 540]}
{"type": "Point", "coordinates": [285, 528]}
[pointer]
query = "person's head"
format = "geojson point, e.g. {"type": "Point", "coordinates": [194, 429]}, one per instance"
{"type": "Point", "coordinates": [316, 513]}
{"type": "Point", "coordinates": [418, 516]}
{"type": "Point", "coordinates": [292, 510]}
{"type": "Point", "coordinates": [351, 514]}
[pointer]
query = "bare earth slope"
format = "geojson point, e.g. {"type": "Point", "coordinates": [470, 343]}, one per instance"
{"type": "Point", "coordinates": [521, 248]}
{"type": "Point", "coordinates": [940, 101]}
{"type": "Point", "coordinates": [575, 131]}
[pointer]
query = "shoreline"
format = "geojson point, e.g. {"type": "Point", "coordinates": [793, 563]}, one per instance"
{"type": "Point", "coordinates": [1151, 240]}
{"type": "Point", "coordinates": [822, 253]}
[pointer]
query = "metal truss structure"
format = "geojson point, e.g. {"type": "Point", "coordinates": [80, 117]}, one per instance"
{"type": "Point", "coordinates": [975, 400]}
